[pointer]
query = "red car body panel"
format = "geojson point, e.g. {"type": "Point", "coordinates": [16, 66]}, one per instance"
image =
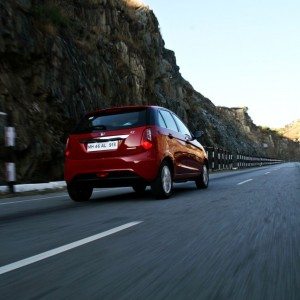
{"type": "Point", "coordinates": [129, 156]}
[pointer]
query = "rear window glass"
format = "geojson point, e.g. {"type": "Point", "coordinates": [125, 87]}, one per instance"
{"type": "Point", "coordinates": [115, 121]}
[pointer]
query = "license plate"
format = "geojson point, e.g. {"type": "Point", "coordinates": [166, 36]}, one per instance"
{"type": "Point", "coordinates": [102, 146]}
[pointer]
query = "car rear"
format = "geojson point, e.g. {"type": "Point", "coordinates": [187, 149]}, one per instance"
{"type": "Point", "coordinates": [112, 147]}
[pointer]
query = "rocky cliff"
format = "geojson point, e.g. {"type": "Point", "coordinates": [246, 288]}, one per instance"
{"type": "Point", "coordinates": [291, 131]}
{"type": "Point", "coordinates": [263, 140]}
{"type": "Point", "coordinates": [62, 58]}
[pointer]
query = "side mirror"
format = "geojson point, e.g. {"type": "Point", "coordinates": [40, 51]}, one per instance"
{"type": "Point", "coordinates": [198, 134]}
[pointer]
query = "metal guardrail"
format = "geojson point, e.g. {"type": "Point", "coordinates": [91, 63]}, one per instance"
{"type": "Point", "coordinates": [220, 159]}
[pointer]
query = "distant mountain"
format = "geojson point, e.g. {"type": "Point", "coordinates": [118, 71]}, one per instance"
{"type": "Point", "coordinates": [291, 131]}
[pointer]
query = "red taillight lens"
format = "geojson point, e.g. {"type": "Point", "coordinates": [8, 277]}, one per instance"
{"type": "Point", "coordinates": [67, 150]}
{"type": "Point", "coordinates": [147, 141]}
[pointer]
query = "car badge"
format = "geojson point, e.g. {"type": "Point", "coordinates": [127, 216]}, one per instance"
{"type": "Point", "coordinates": [102, 133]}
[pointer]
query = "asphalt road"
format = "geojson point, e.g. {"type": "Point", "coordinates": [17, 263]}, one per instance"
{"type": "Point", "coordinates": [239, 239]}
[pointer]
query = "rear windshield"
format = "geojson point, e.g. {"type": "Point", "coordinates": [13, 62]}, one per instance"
{"type": "Point", "coordinates": [113, 121]}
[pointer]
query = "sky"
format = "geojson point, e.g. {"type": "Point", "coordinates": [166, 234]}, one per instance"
{"type": "Point", "coordinates": [238, 52]}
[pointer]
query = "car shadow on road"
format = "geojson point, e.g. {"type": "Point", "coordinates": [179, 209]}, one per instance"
{"type": "Point", "coordinates": [48, 209]}
{"type": "Point", "coordinates": [147, 196]}
{"type": "Point", "coordinates": [117, 197]}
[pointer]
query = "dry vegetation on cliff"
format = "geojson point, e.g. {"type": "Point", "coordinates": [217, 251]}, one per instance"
{"type": "Point", "coordinates": [291, 131]}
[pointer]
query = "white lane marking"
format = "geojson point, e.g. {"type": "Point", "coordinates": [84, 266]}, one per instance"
{"type": "Point", "coordinates": [267, 173]}
{"type": "Point", "coordinates": [52, 197]}
{"type": "Point", "coordinates": [67, 247]}
{"type": "Point", "coordinates": [29, 200]}
{"type": "Point", "coordinates": [244, 181]}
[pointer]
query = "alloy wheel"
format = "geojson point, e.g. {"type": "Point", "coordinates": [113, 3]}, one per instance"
{"type": "Point", "coordinates": [166, 179]}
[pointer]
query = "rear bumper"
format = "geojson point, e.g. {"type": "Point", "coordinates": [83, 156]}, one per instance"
{"type": "Point", "coordinates": [121, 171]}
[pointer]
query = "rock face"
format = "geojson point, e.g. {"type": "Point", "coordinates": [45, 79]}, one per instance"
{"type": "Point", "coordinates": [62, 58]}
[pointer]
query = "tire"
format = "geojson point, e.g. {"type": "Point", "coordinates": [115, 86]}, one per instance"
{"type": "Point", "coordinates": [203, 180]}
{"type": "Point", "coordinates": [162, 187]}
{"type": "Point", "coordinates": [139, 188]}
{"type": "Point", "coordinates": [79, 193]}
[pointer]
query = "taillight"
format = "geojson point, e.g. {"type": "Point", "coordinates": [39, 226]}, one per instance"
{"type": "Point", "coordinates": [147, 141]}
{"type": "Point", "coordinates": [67, 150]}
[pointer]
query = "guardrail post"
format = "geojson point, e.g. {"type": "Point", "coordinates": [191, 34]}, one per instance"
{"type": "Point", "coordinates": [208, 156]}
{"type": "Point", "coordinates": [2, 146]}
{"type": "Point", "coordinates": [223, 159]}
{"type": "Point", "coordinates": [10, 166]}
{"type": "Point", "coordinates": [213, 159]}
{"type": "Point", "coordinates": [227, 160]}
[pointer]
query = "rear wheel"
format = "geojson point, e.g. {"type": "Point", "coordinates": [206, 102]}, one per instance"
{"type": "Point", "coordinates": [162, 187]}
{"type": "Point", "coordinates": [203, 180]}
{"type": "Point", "coordinates": [139, 188]}
{"type": "Point", "coordinates": [79, 193]}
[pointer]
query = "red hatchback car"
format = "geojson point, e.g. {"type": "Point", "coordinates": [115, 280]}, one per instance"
{"type": "Point", "coordinates": [133, 146]}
